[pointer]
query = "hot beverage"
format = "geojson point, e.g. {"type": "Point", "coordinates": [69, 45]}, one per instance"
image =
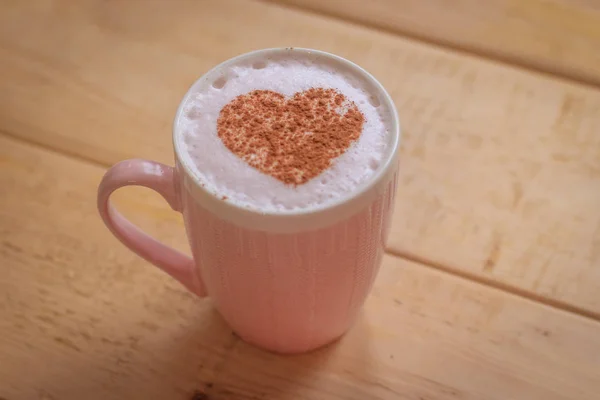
{"type": "Point", "coordinates": [284, 132]}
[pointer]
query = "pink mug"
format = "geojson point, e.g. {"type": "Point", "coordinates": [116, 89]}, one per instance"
{"type": "Point", "coordinates": [288, 281]}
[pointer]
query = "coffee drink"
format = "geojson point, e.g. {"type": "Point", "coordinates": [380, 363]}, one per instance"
{"type": "Point", "coordinates": [286, 165]}
{"type": "Point", "coordinates": [287, 132]}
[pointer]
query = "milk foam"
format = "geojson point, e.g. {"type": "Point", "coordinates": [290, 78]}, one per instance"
{"type": "Point", "coordinates": [232, 179]}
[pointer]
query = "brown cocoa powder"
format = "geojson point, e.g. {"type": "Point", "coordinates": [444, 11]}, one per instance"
{"type": "Point", "coordinates": [293, 140]}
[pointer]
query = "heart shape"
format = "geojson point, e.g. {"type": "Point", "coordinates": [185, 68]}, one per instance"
{"type": "Point", "coordinates": [295, 139]}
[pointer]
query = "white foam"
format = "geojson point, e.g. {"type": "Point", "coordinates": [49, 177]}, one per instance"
{"type": "Point", "coordinates": [226, 175]}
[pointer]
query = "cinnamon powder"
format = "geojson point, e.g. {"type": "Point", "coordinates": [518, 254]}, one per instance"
{"type": "Point", "coordinates": [295, 139]}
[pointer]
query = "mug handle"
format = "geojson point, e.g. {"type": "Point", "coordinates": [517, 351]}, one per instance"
{"type": "Point", "coordinates": [160, 178]}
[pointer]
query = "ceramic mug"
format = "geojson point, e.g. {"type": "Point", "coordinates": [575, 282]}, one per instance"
{"type": "Point", "coordinates": [286, 281]}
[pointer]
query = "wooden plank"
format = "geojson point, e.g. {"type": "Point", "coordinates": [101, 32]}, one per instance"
{"type": "Point", "coordinates": [558, 36]}
{"type": "Point", "coordinates": [81, 317]}
{"type": "Point", "coordinates": [500, 174]}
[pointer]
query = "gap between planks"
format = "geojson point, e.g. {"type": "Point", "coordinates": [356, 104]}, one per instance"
{"type": "Point", "coordinates": [55, 150]}
{"type": "Point", "coordinates": [558, 305]}
{"type": "Point", "coordinates": [439, 43]}
{"type": "Point", "coordinates": [522, 293]}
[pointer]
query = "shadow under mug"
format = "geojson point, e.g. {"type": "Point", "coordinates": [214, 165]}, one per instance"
{"type": "Point", "coordinates": [290, 281]}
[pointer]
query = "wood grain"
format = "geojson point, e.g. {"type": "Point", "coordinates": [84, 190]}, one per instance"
{"type": "Point", "coordinates": [500, 177]}
{"type": "Point", "coordinates": [82, 318]}
{"type": "Point", "coordinates": [558, 36]}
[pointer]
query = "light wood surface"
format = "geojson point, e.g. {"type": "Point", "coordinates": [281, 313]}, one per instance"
{"type": "Point", "coordinates": [557, 36]}
{"type": "Point", "coordinates": [491, 286]}
{"type": "Point", "coordinates": [500, 176]}
{"type": "Point", "coordinates": [83, 318]}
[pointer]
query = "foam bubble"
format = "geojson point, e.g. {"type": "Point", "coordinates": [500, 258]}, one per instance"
{"type": "Point", "coordinates": [226, 175]}
{"type": "Point", "coordinates": [220, 83]}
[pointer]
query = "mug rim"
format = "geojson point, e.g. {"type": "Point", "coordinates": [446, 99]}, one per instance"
{"type": "Point", "coordinates": [193, 182]}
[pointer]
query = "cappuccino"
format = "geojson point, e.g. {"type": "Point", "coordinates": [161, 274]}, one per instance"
{"type": "Point", "coordinates": [288, 132]}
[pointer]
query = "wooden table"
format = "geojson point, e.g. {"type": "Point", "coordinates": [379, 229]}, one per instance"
{"type": "Point", "coordinates": [491, 285]}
